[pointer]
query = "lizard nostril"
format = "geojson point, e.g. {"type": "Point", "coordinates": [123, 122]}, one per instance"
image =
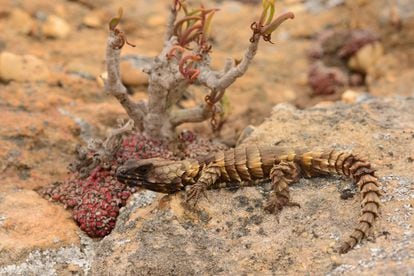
{"type": "Point", "coordinates": [120, 171]}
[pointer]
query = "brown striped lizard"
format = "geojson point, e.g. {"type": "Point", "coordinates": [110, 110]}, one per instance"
{"type": "Point", "coordinates": [283, 166]}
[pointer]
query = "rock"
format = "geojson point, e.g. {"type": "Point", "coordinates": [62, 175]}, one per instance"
{"type": "Point", "coordinates": [297, 8]}
{"type": "Point", "coordinates": [21, 21]}
{"type": "Point", "coordinates": [22, 68]}
{"type": "Point", "coordinates": [132, 75]}
{"type": "Point", "coordinates": [56, 27]}
{"type": "Point", "coordinates": [350, 96]}
{"type": "Point", "coordinates": [100, 80]}
{"type": "Point", "coordinates": [365, 60]}
{"type": "Point", "coordinates": [246, 132]}
{"type": "Point", "coordinates": [323, 104]}
{"type": "Point", "coordinates": [93, 20]}
{"type": "Point", "coordinates": [356, 39]}
{"type": "Point", "coordinates": [87, 69]}
{"type": "Point", "coordinates": [67, 260]}
{"type": "Point", "coordinates": [156, 21]}
{"type": "Point", "coordinates": [325, 80]}
{"type": "Point", "coordinates": [333, 49]}
{"type": "Point", "coordinates": [289, 95]}
{"type": "Point", "coordinates": [29, 222]}
{"type": "Point", "coordinates": [318, 5]}
{"type": "Point", "coordinates": [231, 234]}
{"type": "Point", "coordinates": [53, 136]}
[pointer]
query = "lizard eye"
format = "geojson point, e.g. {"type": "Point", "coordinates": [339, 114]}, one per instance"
{"type": "Point", "coordinates": [144, 169]}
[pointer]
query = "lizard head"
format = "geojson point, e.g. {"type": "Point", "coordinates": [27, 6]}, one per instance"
{"type": "Point", "coordinates": [156, 174]}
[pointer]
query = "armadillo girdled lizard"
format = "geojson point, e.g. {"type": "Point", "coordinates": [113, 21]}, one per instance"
{"type": "Point", "coordinates": [283, 166]}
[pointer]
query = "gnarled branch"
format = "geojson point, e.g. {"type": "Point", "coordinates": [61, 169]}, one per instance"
{"type": "Point", "coordinates": [191, 115]}
{"type": "Point", "coordinates": [113, 83]}
{"type": "Point", "coordinates": [170, 24]}
{"type": "Point", "coordinates": [218, 82]}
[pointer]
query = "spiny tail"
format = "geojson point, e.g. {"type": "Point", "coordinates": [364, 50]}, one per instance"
{"type": "Point", "coordinates": [360, 171]}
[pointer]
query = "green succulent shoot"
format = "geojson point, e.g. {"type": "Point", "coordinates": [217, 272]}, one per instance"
{"type": "Point", "coordinates": [121, 38]}
{"type": "Point", "coordinates": [115, 21]}
{"type": "Point", "coordinates": [266, 24]}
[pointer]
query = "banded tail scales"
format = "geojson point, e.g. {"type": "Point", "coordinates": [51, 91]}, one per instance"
{"type": "Point", "coordinates": [283, 166]}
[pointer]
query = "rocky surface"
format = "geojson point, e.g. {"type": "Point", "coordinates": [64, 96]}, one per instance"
{"type": "Point", "coordinates": [231, 234]}
{"type": "Point", "coordinates": [22, 68]}
{"type": "Point", "coordinates": [28, 222]}
{"type": "Point", "coordinates": [51, 99]}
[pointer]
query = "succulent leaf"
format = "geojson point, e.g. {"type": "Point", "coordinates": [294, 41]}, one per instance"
{"type": "Point", "coordinates": [115, 21]}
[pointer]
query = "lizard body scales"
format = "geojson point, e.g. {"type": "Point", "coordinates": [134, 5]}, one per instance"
{"type": "Point", "coordinates": [283, 166]}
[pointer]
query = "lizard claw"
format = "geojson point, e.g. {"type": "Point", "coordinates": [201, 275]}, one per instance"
{"type": "Point", "coordinates": [195, 193]}
{"type": "Point", "coordinates": [276, 203]}
{"type": "Point", "coordinates": [274, 206]}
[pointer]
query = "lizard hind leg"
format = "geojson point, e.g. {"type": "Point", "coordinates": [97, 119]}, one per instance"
{"type": "Point", "coordinates": [209, 175]}
{"type": "Point", "coordinates": [282, 175]}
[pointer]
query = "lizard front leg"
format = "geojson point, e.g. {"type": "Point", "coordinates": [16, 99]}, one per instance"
{"type": "Point", "coordinates": [208, 176]}
{"type": "Point", "coordinates": [282, 175]}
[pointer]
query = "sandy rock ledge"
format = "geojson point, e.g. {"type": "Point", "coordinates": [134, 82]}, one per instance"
{"type": "Point", "coordinates": [232, 235]}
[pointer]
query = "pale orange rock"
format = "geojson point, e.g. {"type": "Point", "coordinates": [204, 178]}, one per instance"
{"type": "Point", "coordinates": [323, 104]}
{"type": "Point", "coordinates": [289, 94]}
{"type": "Point", "coordinates": [22, 68]}
{"type": "Point", "coordinates": [56, 27]}
{"type": "Point", "coordinates": [157, 21]}
{"type": "Point", "coordinates": [52, 136]}
{"type": "Point", "coordinates": [21, 21]}
{"type": "Point", "coordinates": [30, 222]}
{"type": "Point", "coordinates": [95, 19]}
{"type": "Point", "coordinates": [131, 75]}
{"type": "Point", "coordinates": [92, 21]}
{"type": "Point", "coordinates": [366, 59]}
{"type": "Point", "coordinates": [100, 80]}
{"type": "Point", "coordinates": [350, 96]}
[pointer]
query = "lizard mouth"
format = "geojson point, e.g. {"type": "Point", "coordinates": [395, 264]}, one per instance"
{"type": "Point", "coordinates": [123, 176]}
{"type": "Point", "coordinates": [125, 179]}
{"type": "Point", "coordinates": [135, 180]}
